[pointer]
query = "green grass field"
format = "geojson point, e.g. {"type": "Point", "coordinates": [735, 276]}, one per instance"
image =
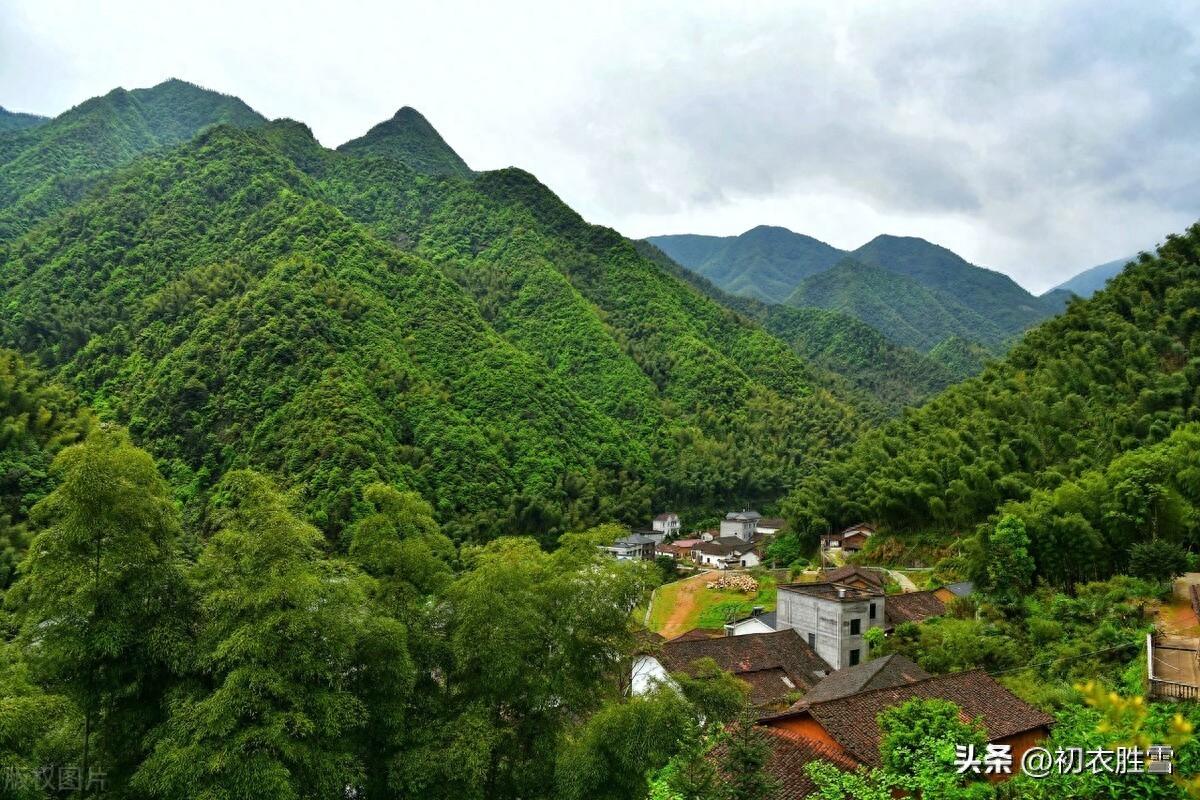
{"type": "Point", "coordinates": [688, 604]}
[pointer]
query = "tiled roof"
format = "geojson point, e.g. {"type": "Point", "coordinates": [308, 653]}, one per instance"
{"type": "Point", "coordinates": [726, 545]}
{"type": "Point", "coordinates": [634, 539]}
{"type": "Point", "coordinates": [880, 673]}
{"type": "Point", "coordinates": [665, 516]}
{"type": "Point", "coordinates": [697, 633]}
{"type": "Point", "coordinates": [912, 607]}
{"type": "Point", "coordinates": [961, 589]}
{"type": "Point", "coordinates": [790, 753]}
{"type": "Point", "coordinates": [849, 572]}
{"type": "Point", "coordinates": [753, 652]}
{"type": "Point", "coordinates": [852, 721]}
{"type": "Point", "coordinates": [862, 526]}
{"type": "Point", "coordinates": [772, 522]}
{"type": "Point", "coordinates": [743, 515]}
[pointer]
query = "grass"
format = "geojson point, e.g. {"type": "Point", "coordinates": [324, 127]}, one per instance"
{"type": "Point", "coordinates": [709, 608]}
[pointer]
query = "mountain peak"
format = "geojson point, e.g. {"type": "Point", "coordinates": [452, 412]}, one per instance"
{"type": "Point", "coordinates": [410, 138]}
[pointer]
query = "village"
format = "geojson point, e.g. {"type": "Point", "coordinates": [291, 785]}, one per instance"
{"type": "Point", "coordinates": [806, 656]}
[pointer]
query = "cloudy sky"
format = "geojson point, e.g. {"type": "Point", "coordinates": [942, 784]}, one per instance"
{"type": "Point", "coordinates": [1034, 138]}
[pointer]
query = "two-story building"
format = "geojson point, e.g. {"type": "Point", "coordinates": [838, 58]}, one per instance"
{"type": "Point", "coordinates": [667, 524]}
{"type": "Point", "coordinates": [831, 618]}
{"type": "Point", "coordinates": [742, 524]}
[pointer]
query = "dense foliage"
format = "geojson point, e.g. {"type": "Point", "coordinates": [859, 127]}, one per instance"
{"type": "Point", "coordinates": [408, 137]}
{"type": "Point", "coordinates": [45, 168]}
{"type": "Point", "coordinates": [16, 120]}
{"type": "Point", "coordinates": [1079, 428]}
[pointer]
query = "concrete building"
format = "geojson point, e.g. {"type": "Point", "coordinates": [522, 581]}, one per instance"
{"type": "Point", "coordinates": [742, 524]}
{"type": "Point", "coordinates": [831, 618]}
{"type": "Point", "coordinates": [667, 524]}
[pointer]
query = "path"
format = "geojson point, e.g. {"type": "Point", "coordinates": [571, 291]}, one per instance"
{"type": "Point", "coordinates": [906, 584]}
{"type": "Point", "coordinates": [685, 601]}
{"type": "Point", "coordinates": [1178, 616]}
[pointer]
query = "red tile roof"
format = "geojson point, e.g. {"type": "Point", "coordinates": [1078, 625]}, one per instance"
{"type": "Point", "coordinates": [849, 572]}
{"type": "Point", "coordinates": [878, 673]}
{"type": "Point", "coordinates": [790, 753]}
{"type": "Point", "coordinates": [852, 721]}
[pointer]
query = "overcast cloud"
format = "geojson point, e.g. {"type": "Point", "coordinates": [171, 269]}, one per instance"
{"type": "Point", "coordinates": [1034, 138]}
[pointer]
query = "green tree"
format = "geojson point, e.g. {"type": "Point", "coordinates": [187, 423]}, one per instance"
{"type": "Point", "coordinates": [1157, 560]}
{"type": "Point", "coordinates": [747, 750]}
{"type": "Point", "coordinates": [101, 600]}
{"type": "Point", "coordinates": [916, 733]}
{"type": "Point", "coordinates": [273, 712]}
{"type": "Point", "coordinates": [1010, 568]}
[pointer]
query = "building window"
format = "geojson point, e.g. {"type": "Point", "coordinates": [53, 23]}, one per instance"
{"type": "Point", "coordinates": [855, 627]}
{"type": "Point", "coordinates": [872, 611]}
{"type": "Point", "coordinates": [812, 640]}
{"type": "Point", "coordinates": [853, 657]}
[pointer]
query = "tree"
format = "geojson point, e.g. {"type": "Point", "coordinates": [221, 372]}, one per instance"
{"type": "Point", "coordinates": [1010, 568]}
{"type": "Point", "coordinates": [101, 600]}
{"type": "Point", "coordinates": [916, 733]}
{"type": "Point", "coordinates": [744, 763]}
{"type": "Point", "coordinates": [272, 712]}
{"type": "Point", "coordinates": [1157, 560]}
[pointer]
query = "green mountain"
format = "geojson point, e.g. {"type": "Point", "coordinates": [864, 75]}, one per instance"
{"type": "Point", "coordinates": [881, 376]}
{"type": "Point", "coordinates": [896, 305]}
{"type": "Point", "coordinates": [16, 120]}
{"type": "Point", "coordinates": [44, 169]}
{"type": "Point", "coordinates": [766, 263]}
{"type": "Point", "coordinates": [250, 299]}
{"type": "Point", "coordinates": [1090, 281]}
{"type": "Point", "coordinates": [992, 295]}
{"type": "Point", "coordinates": [1081, 430]}
{"type": "Point", "coordinates": [963, 358]}
{"type": "Point", "coordinates": [409, 138]}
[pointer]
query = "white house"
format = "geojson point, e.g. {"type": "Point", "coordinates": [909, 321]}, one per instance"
{"type": "Point", "coordinates": [667, 524]}
{"type": "Point", "coordinates": [742, 524]}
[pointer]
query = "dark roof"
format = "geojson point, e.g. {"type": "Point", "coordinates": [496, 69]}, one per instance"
{"type": "Point", "coordinates": [665, 516]}
{"type": "Point", "coordinates": [850, 572]}
{"type": "Point", "coordinates": [726, 545]}
{"type": "Point", "coordinates": [912, 607]}
{"type": "Point", "coordinates": [697, 633]}
{"type": "Point", "coordinates": [743, 515]}
{"type": "Point", "coordinates": [852, 721]}
{"type": "Point", "coordinates": [961, 589]}
{"type": "Point", "coordinates": [854, 537]}
{"type": "Point", "coordinates": [880, 673]}
{"type": "Point", "coordinates": [862, 526]}
{"type": "Point", "coordinates": [790, 753]}
{"type": "Point", "coordinates": [783, 650]}
{"type": "Point", "coordinates": [634, 539]}
{"type": "Point", "coordinates": [829, 591]}
{"type": "Point", "coordinates": [768, 617]}
{"type": "Point", "coordinates": [772, 522]}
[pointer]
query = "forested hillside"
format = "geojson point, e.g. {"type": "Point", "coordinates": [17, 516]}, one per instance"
{"type": "Point", "coordinates": [409, 137]}
{"type": "Point", "coordinates": [15, 120]}
{"type": "Point", "coordinates": [45, 168]}
{"type": "Point", "coordinates": [478, 342]}
{"type": "Point", "coordinates": [1078, 430]}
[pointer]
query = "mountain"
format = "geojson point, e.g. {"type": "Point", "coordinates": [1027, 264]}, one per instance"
{"type": "Point", "coordinates": [766, 263]}
{"type": "Point", "coordinates": [992, 295]}
{"type": "Point", "coordinates": [1086, 430]}
{"type": "Point", "coordinates": [882, 376]}
{"type": "Point", "coordinates": [1090, 281]}
{"type": "Point", "coordinates": [409, 138]}
{"type": "Point", "coordinates": [15, 120]}
{"type": "Point", "coordinates": [961, 357]}
{"type": "Point", "coordinates": [251, 299]}
{"type": "Point", "coordinates": [894, 304]}
{"type": "Point", "coordinates": [45, 168]}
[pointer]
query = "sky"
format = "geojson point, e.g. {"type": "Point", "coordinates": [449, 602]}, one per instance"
{"type": "Point", "coordinates": [1038, 139]}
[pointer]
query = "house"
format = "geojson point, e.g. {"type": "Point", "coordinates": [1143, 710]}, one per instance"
{"type": "Point", "coordinates": [679, 549]}
{"type": "Point", "coordinates": [651, 534]}
{"type": "Point", "coordinates": [790, 754]}
{"type": "Point", "coordinates": [667, 524]}
{"type": "Point", "coordinates": [912, 607]}
{"type": "Point", "coordinates": [776, 664]}
{"type": "Point", "coordinates": [770, 527]}
{"type": "Point", "coordinates": [850, 725]}
{"type": "Point", "coordinates": [759, 621]}
{"type": "Point", "coordinates": [832, 617]}
{"type": "Point", "coordinates": [727, 552]}
{"type": "Point", "coordinates": [854, 542]}
{"type": "Point", "coordinates": [878, 673]}
{"type": "Point", "coordinates": [743, 524]}
{"type": "Point", "coordinates": [954, 590]}
{"type": "Point", "coordinates": [852, 575]}
{"type": "Point", "coordinates": [632, 548]}
{"type": "Point", "coordinates": [835, 540]}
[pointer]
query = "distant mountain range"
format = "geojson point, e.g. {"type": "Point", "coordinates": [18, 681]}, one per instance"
{"type": "Point", "coordinates": [1090, 281]}
{"type": "Point", "coordinates": [916, 293]}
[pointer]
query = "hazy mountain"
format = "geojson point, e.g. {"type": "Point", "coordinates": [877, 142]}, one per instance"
{"type": "Point", "coordinates": [766, 262]}
{"type": "Point", "coordinates": [1086, 283]}
{"type": "Point", "coordinates": [408, 137]}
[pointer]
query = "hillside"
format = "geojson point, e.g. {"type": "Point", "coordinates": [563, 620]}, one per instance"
{"type": "Point", "coordinates": [45, 168]}
{"type": "Point", "coordinates": [896, 305]}
{"type": "Point", "coordinates": [1090, 281]}
{"type": "Point", "coordinates": [766, 263]}
{"type": "Point", "coordinates": [882, 377]}
{"type": "Point", "coordinates": [1066, 426]}
{"type": "Point", "coordinates": [478, 342]}
{"type": "Point", "coordinates": [16, 120]}
{"type": "Point", "coordinates": [409, 138]}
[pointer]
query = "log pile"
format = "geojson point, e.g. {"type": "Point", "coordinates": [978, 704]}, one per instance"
{"type": "Point", "coordinates": [738, 581]}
